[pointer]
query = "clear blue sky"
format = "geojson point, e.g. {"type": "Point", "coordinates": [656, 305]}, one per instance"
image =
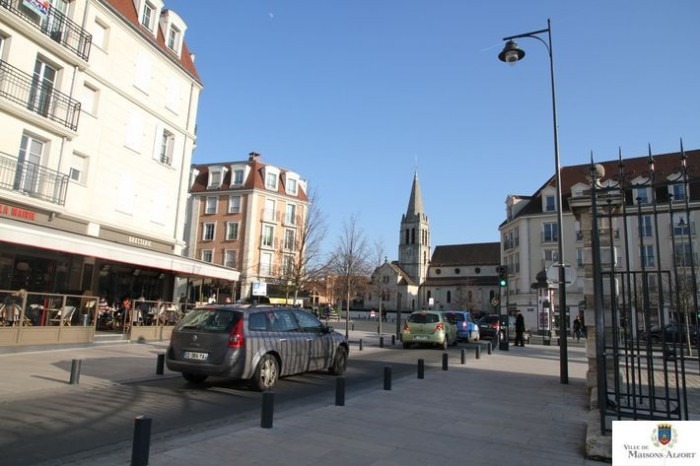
{"type": "Point", "coordinates": [355, 95]}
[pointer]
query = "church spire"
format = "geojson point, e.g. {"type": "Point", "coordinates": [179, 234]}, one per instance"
{"type": "Point", "coordinates": [415, 203]}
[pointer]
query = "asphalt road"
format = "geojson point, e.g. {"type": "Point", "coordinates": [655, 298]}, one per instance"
{"type": "Point", "coordinates": [52, 429]}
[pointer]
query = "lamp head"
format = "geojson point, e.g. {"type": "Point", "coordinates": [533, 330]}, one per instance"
{"type": "Point", "coordinates": [511, 53]}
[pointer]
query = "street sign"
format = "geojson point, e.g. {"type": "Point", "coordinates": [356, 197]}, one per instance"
{"type": "Point", "coordinates": [570, 274]}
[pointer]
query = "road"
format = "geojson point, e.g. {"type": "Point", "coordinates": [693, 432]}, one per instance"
{"type": "Point", "coordinates": [85, 423]}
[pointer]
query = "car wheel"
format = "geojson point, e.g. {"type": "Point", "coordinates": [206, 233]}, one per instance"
{"type": "Point", "coordinates": [340, 362]}
{"type": "Point", "coordinates": [266, 374]}
{"type": "Point", "coordinates": [194, 378]}
{"type": "Point", "coordinates": [406, 345]}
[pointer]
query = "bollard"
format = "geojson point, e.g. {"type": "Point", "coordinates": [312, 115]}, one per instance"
{"type": "Point", "coordinates": [352, 327]}
{"type": "Point", "coordinates": [478, 352]}
{"type": "Point", "coordinates": [488, 348]}
{"type": "Point", "coordinates": [393, 340]}
{"type": "Point", "coordinates": [160, 364]}
{"type": "Point", "coordinates": [387, 378]}
{"type": "Point", "coordinates": [268, 403]}
{"type": "Point", "coordinates": [340, 391]}
{"type": "Point", "coordinates": [464, 356]}
{"type": "Point", "coordinates": [421, 369]}
{"type": "Point", "coordinates": [360, 344]}
{"type": "Point", "coordinates": [75, 371]}
{"type": "Point", "coordinates": [141, 442]}
{"type": "Point", "coordinates": [444, 361]}
{"type": "Point", "coordinates": [381, 342]}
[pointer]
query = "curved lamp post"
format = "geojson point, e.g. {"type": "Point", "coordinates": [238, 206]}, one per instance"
{"type": "Point", "coordinates": [511, 54]}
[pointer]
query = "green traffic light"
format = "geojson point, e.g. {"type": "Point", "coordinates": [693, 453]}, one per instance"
{"type": "Point", "coordinates": [503, 282]}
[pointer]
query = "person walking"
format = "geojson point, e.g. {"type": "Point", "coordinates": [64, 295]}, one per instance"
{"type": "Point", "coordinates": [578, 328]}
{"type": "Point", "coordinates": [519, 329]}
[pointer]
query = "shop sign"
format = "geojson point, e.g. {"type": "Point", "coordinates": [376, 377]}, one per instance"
{"type": "Point", "coordinates": [40, 7]}
{"type": "Point", "coordinates": [16, 212]}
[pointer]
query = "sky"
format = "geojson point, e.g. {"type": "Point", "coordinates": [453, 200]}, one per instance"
{"type": "Point", "coordinates": [358, 95]}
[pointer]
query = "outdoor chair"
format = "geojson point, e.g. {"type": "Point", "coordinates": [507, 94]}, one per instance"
{"type": "Point", "coordinates": [63, 316]}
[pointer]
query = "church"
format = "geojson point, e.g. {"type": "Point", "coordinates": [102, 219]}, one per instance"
{"type": "Point", "coordinates": [461, 276]}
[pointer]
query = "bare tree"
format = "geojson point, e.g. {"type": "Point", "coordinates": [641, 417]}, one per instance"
{"type": "Point", "coordinates": [376, 285]}
{"type": "Point", "coordinates": [350, 263]}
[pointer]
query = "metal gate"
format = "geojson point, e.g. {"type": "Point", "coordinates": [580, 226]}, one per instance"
{"type": "Point", "coordinates": [645, 292]}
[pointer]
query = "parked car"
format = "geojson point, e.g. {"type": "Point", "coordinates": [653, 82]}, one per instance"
{"type": "Point", "coordinates": [467, 328]}
{"type": "Point", "coordinates": [670, 333]}
{"type": "Point", "coordinates": [490, 328]}
{"type": "Point", "coordinates": [429, 328]}
{"type": "Point", "coordinates": [257, 344]}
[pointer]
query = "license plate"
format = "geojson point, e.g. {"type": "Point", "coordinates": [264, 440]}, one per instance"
{"type": "Point", "coordinates": [196, 356]}
{"type": "Point", "coordinates": [420, 337]}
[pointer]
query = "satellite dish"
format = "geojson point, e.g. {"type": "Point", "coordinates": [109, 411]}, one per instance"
{"type": "Point", "coordinates": [570, 275]}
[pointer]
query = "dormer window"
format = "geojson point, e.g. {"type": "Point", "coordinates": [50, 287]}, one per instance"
{"type": "Point", "coordinates": [173, 30]}
{"type": "Point", "coordinates": [549, 204]}
{"type": "Point", "coordinates": [174, 39]}
{"type": "Point", "coordinates": [148, 15]}
{"type": "Point", "coordinates": [271, 178]}
{"type": "Point", "coordinates": [291, 183]}
{"type": "Point", "coordinates": [216, 177]}
{"type": "Point", "coordinates": [237, 177]}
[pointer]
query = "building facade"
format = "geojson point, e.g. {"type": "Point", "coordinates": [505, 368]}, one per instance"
{"type": "Point", "coordinates": [250, 216]}
{"type": "Point", "coordinates": [98, 101]}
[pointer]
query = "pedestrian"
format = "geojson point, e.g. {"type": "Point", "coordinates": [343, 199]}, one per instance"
{"type": "Point", "coordinates": [519, 329]}
{"type": "Point", "coordinates": [578, 328]}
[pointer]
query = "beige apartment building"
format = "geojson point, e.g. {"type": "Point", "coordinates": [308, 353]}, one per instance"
{"type": "Point", "coordinates": [250, 216]}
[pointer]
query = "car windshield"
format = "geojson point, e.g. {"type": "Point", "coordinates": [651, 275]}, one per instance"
{"type": "Point", "coordinates": [423, 318]}
{"type": "Point", "coordinates": [209, 320]}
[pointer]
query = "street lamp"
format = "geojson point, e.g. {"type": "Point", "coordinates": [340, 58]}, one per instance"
{"type": "Point", "coordinates": [511, 54]}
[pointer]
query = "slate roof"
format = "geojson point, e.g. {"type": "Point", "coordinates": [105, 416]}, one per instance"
{"type": "Point", "coordinates": [466, 254]}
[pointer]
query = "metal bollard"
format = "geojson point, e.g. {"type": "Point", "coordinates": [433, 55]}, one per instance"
{"type": "Point", "coordinates": [488, 348]}
{"type": "Point", "coordinates": [387, 378]}
{"type": "Point", "coordinates": [268, 404]}
{"type": "Point", "coordinates": [360, 344]}
{"type": "Point", "coordinates": [75, 371]}
{"type": "Point", "coordinates": [393, 340]}
{"type": "Point", "coordinates": [421, 369]}
{"type": "Point", "coordinates": [141, 442]}
{"type": "Point", "coordinates": [381, 342]}
{"type": "Point", "coordinates": [444, 361]}
{"type": "Point", "coordinates": [340, 391]}
{"type": "Point", "coordinates": [464, 356]}
{"type": "Point", "coordinates": [160, 364]}
{"type": "Point", "coordinates": [478, 352]}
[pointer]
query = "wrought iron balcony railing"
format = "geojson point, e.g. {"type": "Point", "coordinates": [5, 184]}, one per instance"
{"type": "Point", "coordinates": [20, 88]}
{"type": "Point", "coordinates": [33, 180]}
{"type": "Point", "coordinates": [55, 25]}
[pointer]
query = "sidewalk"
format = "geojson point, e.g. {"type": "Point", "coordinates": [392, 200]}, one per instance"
{"type": "Point", "coordinates": [507, 407]}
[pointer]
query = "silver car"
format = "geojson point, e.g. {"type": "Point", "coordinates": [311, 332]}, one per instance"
{"type": "Point", "coordinates": [258, 344]}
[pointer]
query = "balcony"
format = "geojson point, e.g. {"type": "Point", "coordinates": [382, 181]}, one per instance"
{"type": "Point", "coordinates": [54, 25]}
{"type": "Point", "coordinates": [20, 88]}
{"type": "Point", "coordinates": [33, 180]}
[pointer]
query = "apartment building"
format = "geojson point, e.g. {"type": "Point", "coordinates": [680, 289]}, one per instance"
{"type": "Point", "coordinates": [98, 103]}
{"type": "Point", "coordinates": [651, 230]}
{"type": "Point", "coordinates": [248, 215]}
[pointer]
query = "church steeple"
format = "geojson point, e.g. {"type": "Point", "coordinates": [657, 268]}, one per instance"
{"type": "Point", "coordinates": [414, 237]}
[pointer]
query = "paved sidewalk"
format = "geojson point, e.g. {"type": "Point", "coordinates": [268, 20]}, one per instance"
{"type": "Point", "coordinates": [507, 407]}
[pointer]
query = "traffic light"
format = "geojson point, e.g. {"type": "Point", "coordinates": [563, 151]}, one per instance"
{"type": "Point", "coordinates": [502, 276]}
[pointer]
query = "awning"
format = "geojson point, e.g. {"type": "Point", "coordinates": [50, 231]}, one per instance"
{"type": "Point", "coordinates": [45, 238]}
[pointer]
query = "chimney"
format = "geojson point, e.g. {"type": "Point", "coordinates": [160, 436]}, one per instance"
{"type": "Point", "coordinates": [253, 156]}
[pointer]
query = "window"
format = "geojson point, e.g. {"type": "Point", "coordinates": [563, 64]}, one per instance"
{"type": "Point", "coordinates": [290, 214]}
{"type": "Point", "coordinates": [292, 186]}
{"type": "Point", "coordinates": [288, 265]}
{"type": "Point", "coordinates": [645, 227]}
{"type": "Point", "coordinates": [76, 172]}
{"type": "Point", "coordinates": [269, 213]}
{"type": "Point", "coordinates": [549, 232]}
{"type": "Point", "coordinates": [2, 46]}
{"type": "Point", "coordinates": [550, 255]}
{"type": "Point", "coordinates": [680, 225]}
{"type": "Point", "coordinates": [230, 258]}
{"type": "Point", "coordinates": [579, 257]}
{"type": "Point", "coordinates": [678, 191]}
{"type": "Point", "coordinates": [549, 204]}
{"type": "Point", "coordinates": [31, 152]}
{"type": "Point", "coordinates": [100, 33]}
{"type": "Point", "coordinates": [210, 205]}
{"type": "Point", "coordinates": [237, 177]}
{"type": "Point", "coordinates": [208, 231]}
{"type": "Point", "coordinates": [231, 231]}
{"type": "Point", "coordinates": [289, 240]}
{"type": "Point", "coordinates": [234, 204]}
{"type": "Point", "coordinates": [167, 144]}
{"type": "Point", "coordinates": [641, 195]}
{"type": "Point", "coordinates": [215, 179]}
{"type": "Point", "coordinates": [271, 180]}
{"type": "Point", "coordinates": [42, 92]}
{"type": "Point", "coordinates": [268, 235]}
{"type": "Point", "coordinates": [449, 296]}
{"type": "Point", "coordinates": [148, 15]}
{"type": "Point", "coordinates": [207, 255]}
{"type": "Point", "coordinates": [266, 263]}
{"type": "Point", "coordinates": [174, 39]}
{"type": "Point", "coordinates": [648, 259]}
{"type": "Point", "coordinates": [683, 257]}
{"type": "Point", "coordinates": [89, 100]}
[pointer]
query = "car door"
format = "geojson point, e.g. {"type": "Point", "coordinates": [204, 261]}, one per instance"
{"type": "Point", "coordinates": [291, 341]}
{"type": "Point", "coordinates": [319, 343]}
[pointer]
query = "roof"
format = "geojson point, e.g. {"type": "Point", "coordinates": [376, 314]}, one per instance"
{"type": "Point", "coordinates": [627, 168]}
{"type": "Point", "coordinates": [415, 202]}
{"type": "Point", "coordinates": [127, 10]}
{"type": "Point", "coordinates": [467, 254]}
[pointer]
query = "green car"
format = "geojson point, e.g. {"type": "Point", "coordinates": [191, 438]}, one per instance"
{"type": "Point", "coordinates": [428, 328]}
